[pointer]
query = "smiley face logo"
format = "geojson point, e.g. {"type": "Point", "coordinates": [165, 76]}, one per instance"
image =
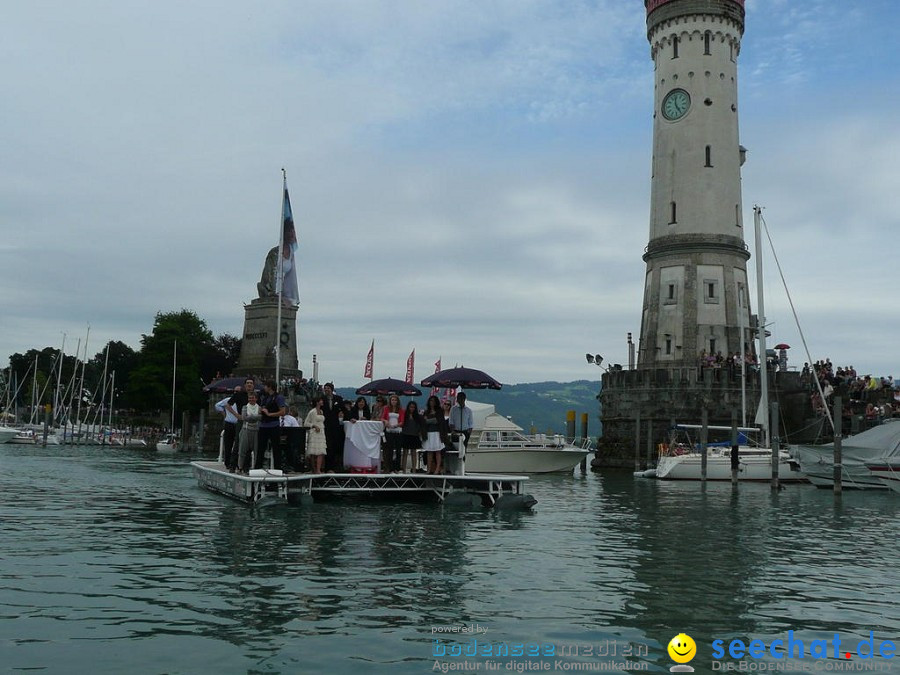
{"type": "Point", "coordinates": [682, 648]}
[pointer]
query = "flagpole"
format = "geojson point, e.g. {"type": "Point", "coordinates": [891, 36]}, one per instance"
{"type": "Point", "coordinates": [280, 283]}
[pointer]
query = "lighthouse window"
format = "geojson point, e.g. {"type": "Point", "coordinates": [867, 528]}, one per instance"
{"type": "Point", "coordinates": [737, 215]}
{"type": "Point", "coordinates": [709, 155]}
{"type": "Point", "coordinates": [671, 295]}
{"type": "Point", "coordinates": [674, 47]}
{"type": "Point", "coordinates": [674, 213]}
{"type": "Point", "coordinates": [706, 37]}
{"type": "Point", "coordinates": [668, 345]}
{"type": "Point", "coordinates": [711, 291]}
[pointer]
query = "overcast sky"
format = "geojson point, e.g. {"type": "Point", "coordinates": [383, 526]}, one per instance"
{"type": "Point", "coordinates": [469, 178]}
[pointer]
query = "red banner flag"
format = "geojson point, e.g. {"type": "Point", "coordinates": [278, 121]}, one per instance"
{"type": "Point", "coordinates": [411, 366]}
{"type": "Point", "coordinates": [370, 361]}
{"type": "Point", "coordinates": [437, 369]}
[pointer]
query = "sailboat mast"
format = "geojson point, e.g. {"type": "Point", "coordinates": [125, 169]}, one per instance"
{"type": "Point", "coordinates": [34, 393]}
{"type": "Point", "coordinates": [761, 329]}
{"type": "Point", "coordinates": [174, 366]}
{"type": "Point", "coordinates": [57, 395]}
{"type": "Point", "coordinates": [112, 400]}
{"type": "Point", "coordinates": [68, 404]}
{"type": "Point", "coordinates": [280, 283]}
{"type": "Point", "coordinates": [742, 309]}
{"type": "Point", "coordinates": [81, 384]}
{"type": "Point", "coordinates": [103, 394]}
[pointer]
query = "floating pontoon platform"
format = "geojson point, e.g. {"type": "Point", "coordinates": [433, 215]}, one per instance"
{"type": "Point", "coordinates": [492, 490]}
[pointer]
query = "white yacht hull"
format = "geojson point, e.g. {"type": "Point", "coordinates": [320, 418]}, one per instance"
{"type": "Point", "coordinates": [887, 472]}
{"type": "Point", "coordinates": [754, 465]}
{"type": "Point", "coordinates": [818, 465]}
{"type": "Point", "coordinates": [7, 434]}
{"type": "Point", "coordinates": [523, 460]}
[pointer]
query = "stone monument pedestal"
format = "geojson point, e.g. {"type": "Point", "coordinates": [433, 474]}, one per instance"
{"type": "Point", "coordinates": [262, 333]}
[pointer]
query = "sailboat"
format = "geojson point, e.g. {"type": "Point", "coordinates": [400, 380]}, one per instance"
{"type": "Point", "coordinates": [683, 461]}
{"type": "Point", "coordinates": [170, 441]}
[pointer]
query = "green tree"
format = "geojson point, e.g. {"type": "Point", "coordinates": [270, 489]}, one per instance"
{"type": "Point", "coordinates": [122, 361]}
{"type": "Point", "coordinates": [21, 373]}
{"type": "Point", "coordinates": [222, 357]}
{"type": "Point", "coordinates": [150, 385]}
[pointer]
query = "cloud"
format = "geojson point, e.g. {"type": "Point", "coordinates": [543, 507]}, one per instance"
{"type": "Point", "coordinates": [469, 179]}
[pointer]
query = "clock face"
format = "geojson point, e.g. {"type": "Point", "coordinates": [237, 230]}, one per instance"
{"type": "Point", "coordinates": [675, 104]}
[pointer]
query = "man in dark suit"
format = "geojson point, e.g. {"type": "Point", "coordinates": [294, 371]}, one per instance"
{"type": "Point", "coordinates": [334, 428]}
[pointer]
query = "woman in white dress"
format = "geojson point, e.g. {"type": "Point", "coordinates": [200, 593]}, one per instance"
{"type": "Point", "coordinates": [315, 442]}
{"type": "Point", "coordinates": [436, 427]}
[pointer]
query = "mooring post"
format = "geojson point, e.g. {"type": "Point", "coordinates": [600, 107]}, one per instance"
{"type": "Point", "coordinates": [735, 463]}
{"type": "Point", "coordinates": [773, 434]}
{"type": "Point", "coordinates": [46, 425]}
{"type": "Point", "coordinates": [637, 441]}
{"type": "Point", "coordinates": [570, 426]}
{"type": "Point", "coordinates": [838, 432]}
{"type": "Point", "coordinates": [584, 438]}
{"type": "Point", "coordinates": [704, 436]}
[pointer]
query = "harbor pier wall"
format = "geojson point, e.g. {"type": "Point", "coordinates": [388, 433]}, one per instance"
{"type": "Point", "coordinates": [658, 398]}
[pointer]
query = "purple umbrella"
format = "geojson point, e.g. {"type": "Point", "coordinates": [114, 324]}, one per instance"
{"type": "Point", "coordinates": [388, 386]}
{"type": "Point", "coordinates": [467, 378]}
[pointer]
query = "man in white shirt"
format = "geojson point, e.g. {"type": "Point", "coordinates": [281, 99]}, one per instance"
{"type": "Point", "coordinates": [229, 451]}
{"type": "Point", "coordinates": [461, 418]}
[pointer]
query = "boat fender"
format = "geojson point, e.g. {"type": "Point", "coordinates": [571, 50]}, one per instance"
{"type": "Point", "coordinates": [507, 502]}
{"type": "Point", "coordinates": [268, 500]}
{"type": "Point", "coordinates": [462, 500]}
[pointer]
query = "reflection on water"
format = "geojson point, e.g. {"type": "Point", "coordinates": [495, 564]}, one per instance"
{"type": "Point", "coordinates": [118, 552]}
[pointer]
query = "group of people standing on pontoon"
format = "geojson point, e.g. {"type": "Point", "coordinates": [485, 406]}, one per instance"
{"type": "Point", "coordinates": [255, 422]}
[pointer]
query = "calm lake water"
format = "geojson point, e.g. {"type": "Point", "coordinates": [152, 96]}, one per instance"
{"type": "Point", "coordinates": [114, 561]}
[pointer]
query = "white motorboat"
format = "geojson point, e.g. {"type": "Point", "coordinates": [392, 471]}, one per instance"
{"type": "Point", "coordinates": [8, 434]}
{"type": "Point", "coordinates": [168, 444]}
{"type": "Point", "coordinates": [498, 445]}
{"type": "Point", "coordinates": [33, 437]}
{"type": "Point", "coordinates": [24, 437]}
{"type": "Point", "coordinates": [872, 445]}
{"type": "Point", "coordinates": [887, 470]}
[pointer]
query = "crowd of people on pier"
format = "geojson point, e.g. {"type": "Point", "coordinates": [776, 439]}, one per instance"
{"type": "Point", "coordinates": [732, 361]}
{"type": "Point", "coordinates": [413, 440]}
{"type": "Point", "coordinates": [869, 395]}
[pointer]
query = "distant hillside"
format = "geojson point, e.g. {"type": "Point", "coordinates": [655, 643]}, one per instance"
{"type": "Point", "coordinates": [542, 405]}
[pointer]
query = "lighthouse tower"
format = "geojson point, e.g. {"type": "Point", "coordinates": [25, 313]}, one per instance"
{"type": "Point", "coordinates": [696, 282]}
